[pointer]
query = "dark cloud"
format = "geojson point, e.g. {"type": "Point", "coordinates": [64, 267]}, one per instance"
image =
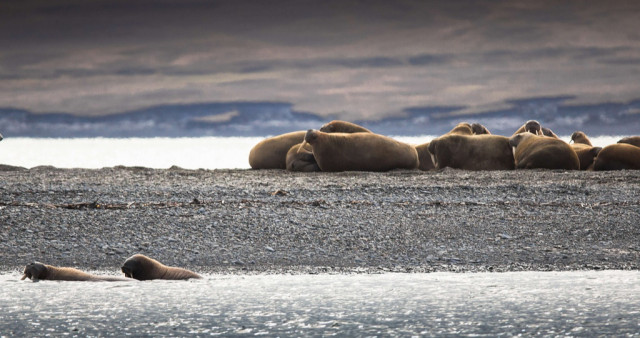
{"type": "Point", "coordinates": [372, 58]}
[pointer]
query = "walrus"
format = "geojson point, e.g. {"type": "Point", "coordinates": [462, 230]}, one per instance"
{"type": "Point", "coordinates": [0, 137]}
{"type": "Point", "coordinates": [534, 127]}
{"type": "Point", "coordinates": [271, 153]}
{"type": "Point", "coordinates": [300, 158]}
{"type": "Point", "coordinates": [542, 152]}
{"type": "Point", "coordinates": [586, 155]}
{"type": "Point", "coordinates": [339, 126]}
{"type": "Point", "coordinates": [617, 157]}
{"type": "Point", "coordinates": [579, 137]}
{"type": "Point", "coordinates": [632, 140]}
{"type": "Point", "coordinates": [141, 267]}
{"type": "Point", "coordinates": [360, 152]}
{"type": "Point", "coordinates": [462, 128]}
{"type": "Point", "coordinates": [471, 152]}
{"type": "Point", "coordinates": [479, 129]}
{"type": "Point", "coordinates": [37, 271]}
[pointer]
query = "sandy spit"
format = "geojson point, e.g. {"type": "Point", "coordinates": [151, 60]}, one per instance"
{"type": "Point", "coordinates": [274, 221]}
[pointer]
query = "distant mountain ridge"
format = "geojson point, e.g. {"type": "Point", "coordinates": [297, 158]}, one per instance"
{"type": "Point", "coordinates": [272, 118]}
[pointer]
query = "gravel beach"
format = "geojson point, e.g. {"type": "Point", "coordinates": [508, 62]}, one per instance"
{"type": "Point", "coordinates": [275, 221]}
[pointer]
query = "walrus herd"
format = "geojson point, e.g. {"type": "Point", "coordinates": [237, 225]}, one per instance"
{"type": "Point", "coordinates": [137, 267]}
{"type": "Point", "coordinates": [345, 146]}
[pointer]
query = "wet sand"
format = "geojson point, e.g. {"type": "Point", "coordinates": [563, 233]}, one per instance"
{"type": "Point", "coordinates": [273, 221]}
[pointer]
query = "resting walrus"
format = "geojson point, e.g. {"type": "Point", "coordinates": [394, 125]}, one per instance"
{"type": "Point", "coordinates": [37, 271]}
{"type": "Point", "coordinates": [360, 152]}
{"type": "Point", "coordinates": [462, 128]}
{"type": "Point", "coordinates": [142, 267]}
{"type": "Point", "coordinates": [533, 151]}
{"type": "Point", "coordinates": [271, 153]}
{"type": "Point", "coordinates": [339, 126]}
{"type": "Point", "coordinates": [632, 140]}
{"type": "Point", "coordinates": [300, 158]}
{"type": "Point", "coordinates": [618, 156]}
{"type": "Point", "coordinates": [534, 127]}
{"type": "Point", "coordinates": [471, 152]}
{"type": "Point", "coordinates": [579, 137]}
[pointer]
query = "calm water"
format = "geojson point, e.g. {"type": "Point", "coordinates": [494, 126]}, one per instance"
{"type": "Point", "coordinates": [188, 153]}
{"type": "Point", "coordinates": [582, 303]}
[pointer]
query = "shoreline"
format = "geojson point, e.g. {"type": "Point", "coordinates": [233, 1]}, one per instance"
{"type": "Point", "coordinates": [241, 221]}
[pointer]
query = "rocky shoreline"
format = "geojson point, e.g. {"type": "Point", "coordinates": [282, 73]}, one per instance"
{"type": "Point", "coordinates": [275, 221]}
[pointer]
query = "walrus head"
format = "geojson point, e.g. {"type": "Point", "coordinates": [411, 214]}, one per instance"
{"type": "Point", "coordinates": [328, 127]}
{"type": "Point", "coordinates": [580, 137]}
{"type": "Point", "coordinates": [479, 129]}
{"type": "Point", "coordinates": [533, 127]}
{"type": "Point", "coordinates": [35, 271]}
{"type": "Point", "coordinates": [311, 136]}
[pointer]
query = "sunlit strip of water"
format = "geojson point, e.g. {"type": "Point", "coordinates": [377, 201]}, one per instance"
{"type": "Point", "coordinates": [188, 153]}
{"type": "Point", "coordinates": [582, 303]}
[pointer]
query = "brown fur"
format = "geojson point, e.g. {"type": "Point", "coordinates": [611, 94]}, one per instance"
{"type": "Point", "coordinates": [424, 157]}
{"type": "Point", "coordinates": [271, 153]}
{"type": "Point", "coordinates": [338, 126]}
{"type": "Point", "coordinates": [37, 271]}
{"type": "Point", "coordinates": [617, 157]}
{"type": "Point", "coordinates": [360, 151]}
{"type": "Point", "coordinates": [142, 267]}
{"type": "Point", "coordinates": [534, 127]}
{"type": "Point", "coordinates": [479, 129]}
{"type": "Point", "coordinates": [579, 137]}
{"type": "Point", "coordinates": [533, 151]}
{"type": "Point", "coordinates": [632, 140]}
{"type": "Point", "coordinates": [300, 158]}
{"type": "Point", "coordinates": [479, 152]}
{"type": "Point", "coordinates": [462, 128]}
{"type": "Point", "coordinates": [586, 155]}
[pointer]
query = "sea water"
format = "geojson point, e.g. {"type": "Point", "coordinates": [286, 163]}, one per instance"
{"type": "Point", "coordinates": [160, 153]}
{"type": "Point", "coordinates": [579, 303]}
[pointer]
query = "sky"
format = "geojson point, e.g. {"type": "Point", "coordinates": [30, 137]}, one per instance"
{"type": "Point", "coordinates": [352, 59]}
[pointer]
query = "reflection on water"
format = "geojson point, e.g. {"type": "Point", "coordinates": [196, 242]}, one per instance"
{"type": "Point", "coordinates": [188, 153]}
{"type": "Point", "coordinates": [551, 303]}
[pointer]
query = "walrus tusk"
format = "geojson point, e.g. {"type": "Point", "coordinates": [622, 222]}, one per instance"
{"type": "Point", "coordinates": [304, 143]}
{"type": "Point", "coordinates": [23, 276]}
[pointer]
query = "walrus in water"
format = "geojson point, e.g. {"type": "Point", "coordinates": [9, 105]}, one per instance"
{"type": "Point", "coordinates": [339, 126]}
{"type": "Point", "coordinates": [579, 137]}
{"type": "Point", "coordinates": [271, 153]}
{"type": "Point", "coordinates": [462, 128]}
{"type": "Point", "coordinates": [617, 157]}
{"type": "Point", "coordinates": [300, 158]}
{"type": "Point", "coordinates": [37, 271]}
{"type": "Point", "coordinates": [475, 152]}
{"type": "Point", "coordinates": [632, 140]}
{"type": "Point", "coordinates": [534, 151]}
{"type": "Point", "coordinates": [141, 267]}
{"type": "Point", "coordinates": [360, 152]}
{"type": "Point", "coordinates": [534, 127]}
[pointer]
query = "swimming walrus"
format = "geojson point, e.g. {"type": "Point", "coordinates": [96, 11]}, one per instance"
{"type": "Point", "coordinates": [462, 128]}
{"type": "Point", "coordinates": [471, 152]}
{"type": "Point", "coordinates": [632, 140]}
{"type": "Point", "coordinates": [579, 137]}
{"type": "Point", "coordinates": [141, 267]}
{"type": "Point", "coordinates": [300, 158]}
{"type": "Point", "coordinates": [537, 151]}
{"type": "Point", "coordinates": [360, 152]}
{"type": "Point", "coordinates": [618, 156]}
{"type": "Point", "coordinates": [38, 271]}
{"type": "Point", "coordinates": [339, 126]}
{"type": "Point", "coordinates": [271, 153]}
{"type": "Point", "coordinates": [534, 127]}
